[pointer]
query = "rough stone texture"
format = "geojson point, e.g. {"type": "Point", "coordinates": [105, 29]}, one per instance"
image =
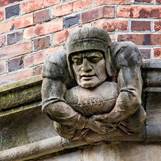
{"type": "Point", "coordinates": [153, 116]}
{"type": "Point", "coordinates": [23, 126]}
{"type": "Point", "coordinates": [91, 107]}
{"type": "Point", "coordinates": [30, 92]}
{"type": "Point", "coordinates": [112, 152]}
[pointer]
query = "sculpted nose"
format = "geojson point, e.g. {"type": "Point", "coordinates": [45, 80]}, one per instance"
{"type": "Point", "coordinates": [86, 67]}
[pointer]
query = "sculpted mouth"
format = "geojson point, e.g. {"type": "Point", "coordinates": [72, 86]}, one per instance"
{"type": "Point", "coordinates": [87, 77]}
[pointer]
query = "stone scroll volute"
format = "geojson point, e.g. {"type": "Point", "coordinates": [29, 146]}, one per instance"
{"type": "Point", "coordinates": [92, 89]}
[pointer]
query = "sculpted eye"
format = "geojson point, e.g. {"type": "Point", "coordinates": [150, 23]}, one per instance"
{"type": "Point", "coordinates": [77, 61]}
{"type": "Point", "coordinates": [94, 59]}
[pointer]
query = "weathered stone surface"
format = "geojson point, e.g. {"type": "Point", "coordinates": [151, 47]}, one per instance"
{"type": "Point", "coordinates": [24, 125]}
{"type": "Point", "coordinates": [152, 72]}
{"type": "Point", "coordinates": [153, 104]}
{"type": "Point", "coordinates": [20, 93]}
{"type": "Point", "coordinates": [112, 152]}
{"type": "Point", "coordinates": [96, 106]}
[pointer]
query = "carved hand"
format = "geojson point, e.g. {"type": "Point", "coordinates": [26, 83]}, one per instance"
{"type": "Point", "coordinates": [100, 127]}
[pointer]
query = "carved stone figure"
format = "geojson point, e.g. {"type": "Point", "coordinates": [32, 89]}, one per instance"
{"type": "Point", "coordinates": [92, 90]}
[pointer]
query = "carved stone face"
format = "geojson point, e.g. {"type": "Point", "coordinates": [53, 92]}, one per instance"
{"type": "Point", "coordinates": [89, 68]}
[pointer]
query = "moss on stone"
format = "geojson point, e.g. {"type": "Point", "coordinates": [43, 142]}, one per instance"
{"type": "Point", "coordinates": [20, 93]}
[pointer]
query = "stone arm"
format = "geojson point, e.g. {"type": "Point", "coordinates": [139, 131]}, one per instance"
{"type": "Point", "coordinates": [55, 106]}
{"type": "Point", "coordinates": [128, 62]}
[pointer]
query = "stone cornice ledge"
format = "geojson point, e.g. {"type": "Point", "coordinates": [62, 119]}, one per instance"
{"type": "Point", "coordinates": [38, 149]}
{"type": "Point", "coordinates": [20, 93]}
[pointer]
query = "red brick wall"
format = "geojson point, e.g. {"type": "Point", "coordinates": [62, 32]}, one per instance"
{"type": "Point", "coordinates": [32, 29]}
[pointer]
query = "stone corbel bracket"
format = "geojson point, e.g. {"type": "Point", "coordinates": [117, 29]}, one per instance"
{"type": "Point", "coordinates": [152, 102]}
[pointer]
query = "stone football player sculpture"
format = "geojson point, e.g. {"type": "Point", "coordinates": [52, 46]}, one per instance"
{"type": "Point", "coordinates": [92, 90]}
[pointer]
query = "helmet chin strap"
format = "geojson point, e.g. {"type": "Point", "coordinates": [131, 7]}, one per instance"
{"type": "Point", "coordinates": [108, 63]}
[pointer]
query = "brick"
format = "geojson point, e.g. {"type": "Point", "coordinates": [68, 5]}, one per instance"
{"type": "Point", "coordinates": [136, 38]}
{"type": "Point", "coordinates": [60, 37]}
{"type": "Point", "coordinates": [16, 49]}
{"type": "Point", "coordinates": [23, 21]}
{"type": "Point", "coordinates": [48, 3]}
{"type": "Point", "coordinates": [16, 76]}
{"type": "Point", "coordinates": [37, 70]}
{"type": "Point", "coordinates": [14, 37]}
{"type": "Point", "coordinates": [147, 1]}
{"type": "Point", "coordinates": [108, 12]}
{"type": "Point", "coordinates": [81, 4]}
{"type": "Point", "coordinates": [71, 21]}
{"type": "Point", "coordinates": [41, 43]}
{"type": "Point", "coordinates": [1, 14]}
{"type": "Point", "coordinates": [41, 16]}
{"type": "Point", "coordinates": [43, 29]}
{"type": "Point", "coordinates": [31, 5]}
{"type": "Point", "coordinates": [112, 25]}
{"type": "Point", "coordinates": [62, 10]}
{"type": "Point", "coordinates": [38, 57]}
{"type": "Point", "coordinates": [2, 41]}
{"type": "Point", "coordinates": [157, 53]}
{"type": "Point", "coordinates": [15, 64]}
{"type": "Point", "coordinates": [6, 2]}
{"type": "Point", "coordinates": [142, 39]}
{"type": "Point", "coordinates": [12, 11]}
{"type": "Point", "coordinates": [109, 2]}
{"type": "Point", "coordinates": [145, 53]}
{"type": "Point", "coordinates": [5, 27]}
{"type": "Point", "coordinates": [156, 39]}
{"type": "Point", "coordinates": [139, 12]}
{"type": "Point", "coordinates": [158, 1]}
{"type": "Point", "coordinates": [2, 67]}
{"type": "Point", "coordinates": [157, 26]}
{"type": "Point", "coordinates": [140, 25]}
